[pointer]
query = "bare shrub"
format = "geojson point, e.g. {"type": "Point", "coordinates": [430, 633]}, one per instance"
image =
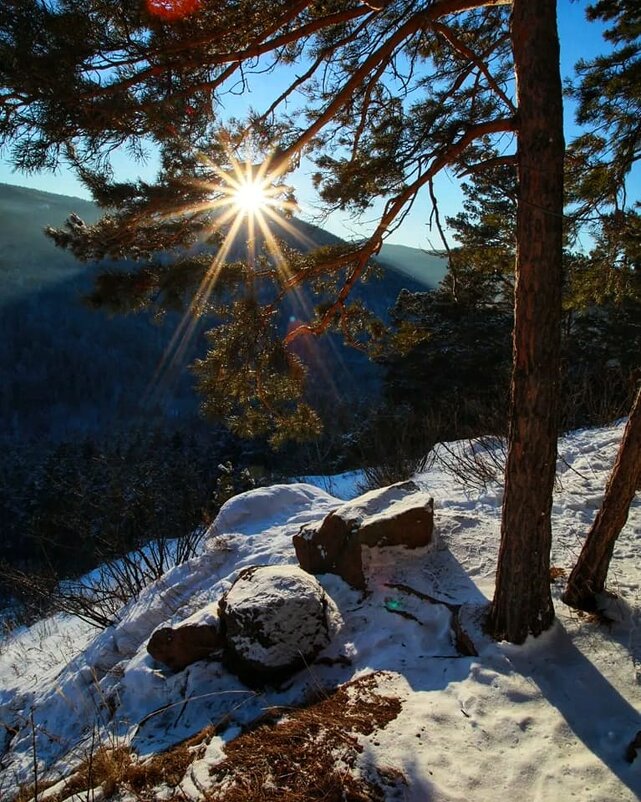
{"type": "Point", "coordinates": [98, 597]}
{"type": "Point", "coordinates": [392, 471]}
{"type": "Point", "coordinates": [474, 463]}
{"type": "Point", "coordinates": [596, 399]}
{"type": "Point", "coordinates": [127, 562]}
{"type": "Point", "coordinates": [396, 445]}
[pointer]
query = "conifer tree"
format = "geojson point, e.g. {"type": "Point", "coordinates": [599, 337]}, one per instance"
{"type": "Point", "coordinates": [481, 266]}
{"type": "Point", "coordinates": [609, 95]}
{"type": "Point", "coordinates": [607, 91]}
{"type": "Point", "coordinates": [396, 91]}
{"type": "Point", "coordinates": [587, 579]}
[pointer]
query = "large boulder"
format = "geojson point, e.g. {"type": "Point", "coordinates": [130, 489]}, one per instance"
{"type": "Point", "coordinates": [275, 620]}
{"type": "Point", "coordinates": [180, 646]}
{"type": "Point", "coordinates": [398, 515]}
{"type": "Point", "coordinates": [331, 548]}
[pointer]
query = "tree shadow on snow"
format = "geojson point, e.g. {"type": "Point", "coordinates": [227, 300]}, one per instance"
{"type": "Point", "coordinates": [592, 707]}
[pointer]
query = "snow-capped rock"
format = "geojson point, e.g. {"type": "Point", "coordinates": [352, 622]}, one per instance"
{"type": "Point", "coordinates": [398, 515]}
{"type": "Point", "coordinates": [275, 619]}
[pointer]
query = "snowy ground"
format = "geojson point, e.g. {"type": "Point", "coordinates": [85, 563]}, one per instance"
{"type": "Point", "coordinates": [549, 720]}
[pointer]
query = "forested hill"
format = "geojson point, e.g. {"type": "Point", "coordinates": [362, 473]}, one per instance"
{"type": "Point", "coordinates": [29, 261]}
{"type": "Point", "coordinates": [68, 371]}
{"type": "Point", "coordinates": [424, 267]}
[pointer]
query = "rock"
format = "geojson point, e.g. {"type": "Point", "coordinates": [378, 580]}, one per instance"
{"type": "Point", "coordinates": [398, 515]}
{"type": "Point", "coordinates": [331, 548]}
{"type": "Point", "coordinates": [179, 647]}
{"type": "Point", "coordinates": [275, 620]}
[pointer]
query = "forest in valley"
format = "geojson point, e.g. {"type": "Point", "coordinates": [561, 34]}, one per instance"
{"type": "Point", "coordinates": [97, 459]}
{"type": "Point", "coordinates": [98, 450]}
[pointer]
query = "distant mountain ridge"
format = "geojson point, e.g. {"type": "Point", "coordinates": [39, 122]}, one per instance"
{"type": "Point", "coordinates": [25, 212]}
{"type": "Point", "coordinates": [425, 267]}
{"type": "Point", "coordinates": [67, 369]}
{"type": "Point", "coordinates": [29, 260]}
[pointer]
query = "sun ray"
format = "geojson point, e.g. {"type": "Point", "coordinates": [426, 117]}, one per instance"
{"type": "Point", "coordinates": [175, 353]}
{"type": "Point", "coordinates": [245, 194]}
{"type": "Point", "coordinates": [282, 264]}
{"type": "Point", "coordinates": [284, 223]}
{"type": "Point", "coordinates": [303, 300]}
{"type": "Point", "coordinates": [272, 244]}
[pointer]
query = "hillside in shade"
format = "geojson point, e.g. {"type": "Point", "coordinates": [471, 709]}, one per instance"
{"type": "Point", "coordinates": [425, 267]}
{"type": "Point", "coordinates": [67, 370]}
{"type": "Point", "coordinates": [29, 262]}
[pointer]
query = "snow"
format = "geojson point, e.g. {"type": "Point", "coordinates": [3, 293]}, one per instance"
{"type": "Point", "coordinates": [255, 510]}
{"type": "Point", "coordinates": [344, 486]}
{"type": "Point", "coordinates": [548, 720]}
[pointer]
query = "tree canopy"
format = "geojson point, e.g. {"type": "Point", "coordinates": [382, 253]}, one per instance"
{"type": "Point", "coordinates": [384, 96]}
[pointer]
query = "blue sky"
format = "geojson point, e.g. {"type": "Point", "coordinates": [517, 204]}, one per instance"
{"type": "Point", "coordinates": [579, 39]}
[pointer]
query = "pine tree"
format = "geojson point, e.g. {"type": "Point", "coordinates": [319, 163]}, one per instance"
{"type": "Point", "coordinates": [396, 92]}
{"type": "Point", "coordinates": [448, 353]}
{"type": "Point", "coordinates": [609, 95]}
{"type": "Point", "coordinates": [481, 266]}
{"type": "Point", "coordinates": [607, 90]}
{"type": "Point", "coordinates": [587, 579]}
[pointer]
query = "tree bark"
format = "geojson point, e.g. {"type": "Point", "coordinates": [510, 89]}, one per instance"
{"type": "Point", "coordinates": [522, 603]}
{"type": "Point", "coordinates": [589, 574]}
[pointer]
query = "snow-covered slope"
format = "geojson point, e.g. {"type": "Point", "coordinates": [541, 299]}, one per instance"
{"type": "Point", "coordinates": [549, 720]}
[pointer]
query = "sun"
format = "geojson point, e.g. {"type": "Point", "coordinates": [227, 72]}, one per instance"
{"type": "Point", "coordinates": [249, 201]}
{"type": "Point", "coordinates": [250, 197]}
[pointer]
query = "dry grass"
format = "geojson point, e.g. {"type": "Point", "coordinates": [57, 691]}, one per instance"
{"type": "Point", "coordinates": [299, 755]}
{"type": "Point", "coordinates": [556, 572]}
{"type": "Point", "coordinates": [167, 768]}
{"type": "Point", "coordinates": [117, 769]}
{"type": "Point", "coordinates": [310, 753]}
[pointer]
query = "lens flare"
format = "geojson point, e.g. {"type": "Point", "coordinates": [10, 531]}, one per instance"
{"type": "Point", "coordinates": [172, 10]}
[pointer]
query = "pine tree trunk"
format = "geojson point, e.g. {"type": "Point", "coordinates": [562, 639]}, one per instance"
{"type": "Point", "coordinates": [522, 603]}
{"type": "Point", "coordinates": [589, 574]}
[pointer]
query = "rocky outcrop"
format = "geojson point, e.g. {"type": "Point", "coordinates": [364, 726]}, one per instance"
{"type": "Point", "coordinates": [179, 647]}
{"type": "Point", "coordinates": [331, 548]}
{"type": "Point", "coordinates": [398, 515]}
{"type": "Point", "coordinates": [275, 620]}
